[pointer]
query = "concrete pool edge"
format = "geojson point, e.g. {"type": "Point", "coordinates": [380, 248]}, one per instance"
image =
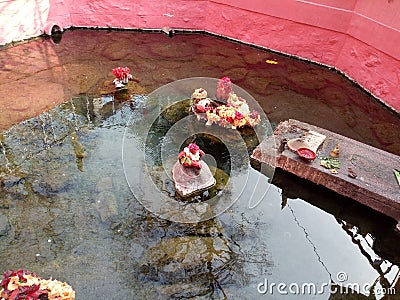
{"type": "Point", "coordinates": [375, 185]}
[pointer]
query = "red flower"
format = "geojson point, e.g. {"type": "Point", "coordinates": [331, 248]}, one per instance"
{"type": "Point", "coordinates": [201, 108]}
{"type": "Point", "coordinates": [121, 72]}
{"type": "Point", "coordinates": [229, 120]}
{"type": "Point", "coordinates": [181, 155]}
{"type": "Point", "coordinates": [238, 115]}
{"type": "Point", "coordinates": [186, 159]}
{"type": "Point", "coordinates": [196, 164]}
{"type": "Point", "coordinates": [225, 80]}
{"type": "Point", "coordinates": [27, 293]}
{"type": "Point", "coordinates": [254, 115]}
{"type": "Point", "coordinates": [11, 273]}
{"type": "Point", "coordinates": [32, 292]}
{"type": "Point", "coordinates": [224, 88]}
{"type": "Point", "coordinates": [193, 148]}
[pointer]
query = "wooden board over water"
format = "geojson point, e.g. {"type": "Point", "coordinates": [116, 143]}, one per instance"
{"type": "Point", "coordinates": [375, 184]}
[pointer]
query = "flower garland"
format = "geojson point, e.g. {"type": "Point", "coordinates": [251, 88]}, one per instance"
{"type": "Point", "coordinates": [235, 114]}
{"type": "Point", "coordinates": [224, 88]}
{"type": "Point", "coordinates": [201, 102]}
{"type": "Point", "coordinates": [190, 156]}
{"type": "Point", "coordinates": [25, 285]}
{"type": "Point", "coordinates": [122, 76]}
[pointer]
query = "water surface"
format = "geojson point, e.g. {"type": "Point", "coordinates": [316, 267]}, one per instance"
{"type": "Point", "coordinates": [74, 218]}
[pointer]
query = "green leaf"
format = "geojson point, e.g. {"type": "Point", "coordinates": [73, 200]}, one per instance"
{"type": "Point", "coordinates": [397, 174]}
{"type": "Point", "coordinates": [329, 162]}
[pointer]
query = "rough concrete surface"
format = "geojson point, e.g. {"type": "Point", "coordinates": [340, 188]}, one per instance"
{"type": "Point", "coordinates": [375, 184]}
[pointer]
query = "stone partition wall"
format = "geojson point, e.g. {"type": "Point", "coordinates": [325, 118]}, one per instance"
{"type": "Point", "coordinates": [359, 37]}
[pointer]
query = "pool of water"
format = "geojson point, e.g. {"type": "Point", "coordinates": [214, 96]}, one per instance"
{"type": "Point", "coordinates": [67, 211]}
{"type": "Point", "coordinates": [82, 61]}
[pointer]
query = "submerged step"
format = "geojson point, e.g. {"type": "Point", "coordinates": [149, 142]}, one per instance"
{"type": "Point", "coordinates": [361, 172]}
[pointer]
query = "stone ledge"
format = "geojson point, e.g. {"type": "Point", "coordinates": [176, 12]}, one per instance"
{"type": "Point", "coordinates": [375, 185]}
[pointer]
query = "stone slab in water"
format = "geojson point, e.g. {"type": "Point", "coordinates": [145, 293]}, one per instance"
{"type": "Point", "coordinates": [189, 181]}
{"type": "Point", "coordinates": [375, 185]}
{"type": "Point", "coordinates": [176, 259]}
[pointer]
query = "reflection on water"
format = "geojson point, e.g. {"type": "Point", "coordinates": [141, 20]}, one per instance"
{"type": "Point", "coordinates": [37, 75]}
{"type": "Point", "coordinates": [66, 211]}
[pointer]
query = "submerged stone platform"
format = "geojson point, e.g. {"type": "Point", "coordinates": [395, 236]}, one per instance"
{"type": "Point", "coordinates": [365, 174]}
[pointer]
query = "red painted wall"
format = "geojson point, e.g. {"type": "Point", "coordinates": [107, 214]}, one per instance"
{"type": "Point", "coordinates": [359, 37]}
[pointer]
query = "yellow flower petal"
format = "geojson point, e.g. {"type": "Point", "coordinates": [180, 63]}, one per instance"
{"type": "Point", "coordinates": [13, 283]}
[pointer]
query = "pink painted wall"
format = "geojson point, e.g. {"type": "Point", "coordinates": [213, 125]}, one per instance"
{"type": "Point", "coordinates": [359, 37]}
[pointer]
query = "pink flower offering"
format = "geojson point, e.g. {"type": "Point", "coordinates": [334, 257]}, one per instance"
{"type": "Point", "coordinates": [190, 156]}
{"type": "Point", "coordinates": [193, 148]}
{"type": "Point", "coordinates": [122, 76]}
{"type": "Point", "coordinates": [233, 113]}
{"type": "Point", "coordinates": [121, 72]}
{"type": "Point", "coordinates": [25, 285]}
{"type": "Point", "coordinates": [224, 88]}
